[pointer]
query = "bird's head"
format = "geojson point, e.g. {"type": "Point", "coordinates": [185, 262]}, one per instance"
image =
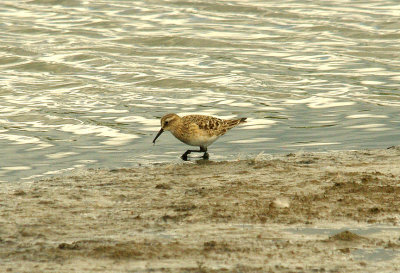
{"type": "Point", "coordinates": [168, 123]}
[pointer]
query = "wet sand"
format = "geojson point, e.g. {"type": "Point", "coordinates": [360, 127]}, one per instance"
{"type": "Point", "coordinates": [302, 212]}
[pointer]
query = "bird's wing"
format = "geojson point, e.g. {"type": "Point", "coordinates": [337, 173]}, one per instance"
{"type": "Point", "coordinates": [212, 125]}
{"type": "Point", "coordinates": [208, 124]}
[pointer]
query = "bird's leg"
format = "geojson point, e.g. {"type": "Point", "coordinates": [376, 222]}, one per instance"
{"type": "Point", "coordinates": [202, 150]}
{"type": "Point", "coordinates": [184, 156]}
{"type": "Point", "coordinates": [205, 155]}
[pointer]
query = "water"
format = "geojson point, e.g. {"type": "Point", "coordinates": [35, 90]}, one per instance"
{"type": "Point", "coordinates": [377, 254]}
{"type": "Point", "coordinates": [84, 83]}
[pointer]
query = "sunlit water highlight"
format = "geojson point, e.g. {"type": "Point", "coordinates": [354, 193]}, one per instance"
{"type": "Point", "coordinates": [84, 83]}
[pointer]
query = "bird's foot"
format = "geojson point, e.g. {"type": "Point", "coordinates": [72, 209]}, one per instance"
{"type": "Point", "coordinates": [185, 156]}
{"type": "Point", "coordinates": [206, 155]}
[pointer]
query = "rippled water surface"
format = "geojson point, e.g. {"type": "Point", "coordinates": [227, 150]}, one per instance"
{"type": "Point", "coordinates": [84, 83]}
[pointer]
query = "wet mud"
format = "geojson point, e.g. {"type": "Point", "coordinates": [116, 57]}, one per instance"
{"type": "Point", "coordinates": [301, 212]}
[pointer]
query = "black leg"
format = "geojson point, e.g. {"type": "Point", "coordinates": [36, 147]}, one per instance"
{"type": "Point", "coordinates": [184, 156]}
{"type": "Point", "coordinates": [205, 155]}
{"type": "Point", "coordinates": [202, 149]}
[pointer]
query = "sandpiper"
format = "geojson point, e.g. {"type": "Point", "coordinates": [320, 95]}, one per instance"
{"type": "Point", "coordinates": [196, 130]}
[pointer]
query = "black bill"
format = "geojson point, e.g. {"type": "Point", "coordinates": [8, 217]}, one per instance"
{"type": "Point", "coordinates": [159, 133]}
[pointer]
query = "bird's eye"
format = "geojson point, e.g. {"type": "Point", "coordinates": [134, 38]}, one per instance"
{"type": "Point", "coordinates": [166, 123]}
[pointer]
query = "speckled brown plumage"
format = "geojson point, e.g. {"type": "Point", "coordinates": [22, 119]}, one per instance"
{"type": "Point", "coordinates": [197, 130]}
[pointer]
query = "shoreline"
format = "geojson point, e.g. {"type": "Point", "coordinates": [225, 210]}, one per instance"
{"type": "Point", "coordinates": [300, 212]}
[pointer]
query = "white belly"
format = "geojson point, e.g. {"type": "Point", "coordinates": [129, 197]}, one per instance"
{"type": "Point", "coordinates": [203, 141]}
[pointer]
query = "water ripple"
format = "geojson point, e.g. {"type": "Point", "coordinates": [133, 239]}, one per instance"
{"type": "Point", "coordinates": [84, 83]}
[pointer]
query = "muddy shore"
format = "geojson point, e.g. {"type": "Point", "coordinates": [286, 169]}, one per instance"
{"type": "Point", "coordinates": [302, 212]}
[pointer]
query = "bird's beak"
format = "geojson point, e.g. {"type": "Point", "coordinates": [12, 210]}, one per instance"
{"type": "Point", "coordinates": [159, 133]}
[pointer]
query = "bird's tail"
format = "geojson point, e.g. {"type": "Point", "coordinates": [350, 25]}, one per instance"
{"type": "Point", "coordinates": [234, 122]}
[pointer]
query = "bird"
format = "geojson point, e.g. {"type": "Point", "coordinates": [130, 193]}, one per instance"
{"type": "Point", "coordinates": [196, 130]}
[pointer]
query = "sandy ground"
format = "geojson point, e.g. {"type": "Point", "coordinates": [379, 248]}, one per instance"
{"type": "Point", "coordinates": [303, 212]}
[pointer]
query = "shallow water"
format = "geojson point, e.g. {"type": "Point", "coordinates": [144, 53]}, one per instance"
{"type": "Point", "coordinates": [84, 83]}
{"type": "Point", "coordinates": [377, 254]}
